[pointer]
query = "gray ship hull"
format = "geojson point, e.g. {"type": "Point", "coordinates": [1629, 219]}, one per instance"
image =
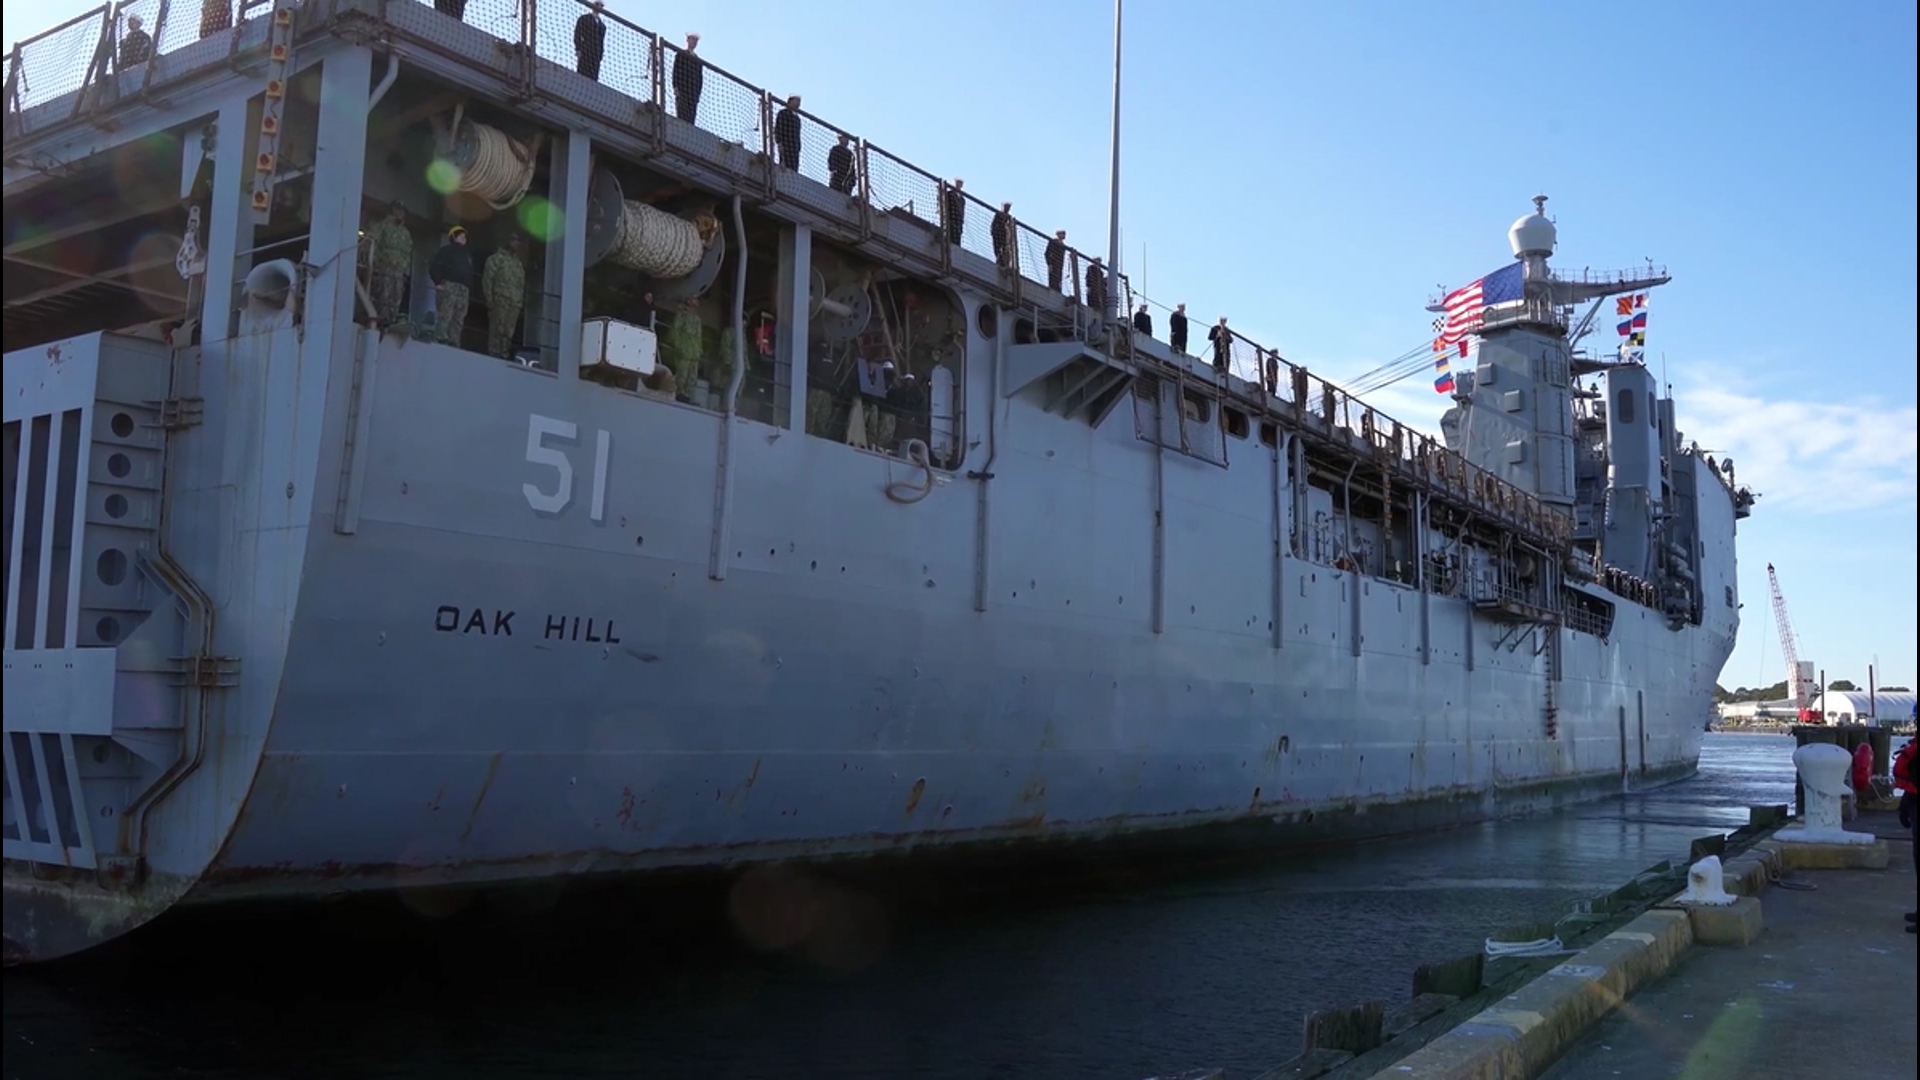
{"type": "Point", "coordinates": [301, 609]}
{"type": "Point", "coordinates": [475, 691]}
{"type": "Point", "coordinates": [446, 686]}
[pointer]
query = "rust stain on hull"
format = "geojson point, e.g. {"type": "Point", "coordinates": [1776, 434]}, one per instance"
{"type": "Point", "coordinates": [739, 796]}
{"type": "Point", "coordinates": [486, 785]}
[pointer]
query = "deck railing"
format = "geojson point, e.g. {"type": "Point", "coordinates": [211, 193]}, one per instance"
{"type": "Point", "coordinates": [82, 53]}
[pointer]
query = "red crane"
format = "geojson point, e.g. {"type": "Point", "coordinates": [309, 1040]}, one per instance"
{"type": "Point", "coordinates": [1796, 686]}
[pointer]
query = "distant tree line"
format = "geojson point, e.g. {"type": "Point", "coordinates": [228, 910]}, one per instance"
{"type": "Point", "coordinates": [1778, 691]}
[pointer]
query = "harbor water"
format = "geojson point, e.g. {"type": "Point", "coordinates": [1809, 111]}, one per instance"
{"type": "Point", "coordinates": [1110, 981]}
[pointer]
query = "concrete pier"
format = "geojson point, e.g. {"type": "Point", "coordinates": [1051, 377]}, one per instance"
{"type": "Point", "coordinates": [1823, 985]}
{"type": "Point", "coordinates": [1784, 960]}
{"type": "Point", "coordinates": [1826, 990]}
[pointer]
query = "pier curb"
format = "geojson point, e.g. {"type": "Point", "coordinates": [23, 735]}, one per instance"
{"type": "Point", "coordinates": [1805, 856]}
{"type": "Point", "coordinates": [1527, 1030]}
{"type": "Point", "coordinates": [1737, 924]}
{"type": "Point", "coordinates": [1748, 874]}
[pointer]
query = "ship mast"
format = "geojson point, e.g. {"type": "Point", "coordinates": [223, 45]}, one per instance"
{"type": "Point", "coordinates": [1113, 191]}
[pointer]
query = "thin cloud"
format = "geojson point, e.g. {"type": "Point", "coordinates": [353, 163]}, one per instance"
{"type": "Point", "coordinates": [1804, 453]}
{"type": "Point", "coordinates": [1796, 453]}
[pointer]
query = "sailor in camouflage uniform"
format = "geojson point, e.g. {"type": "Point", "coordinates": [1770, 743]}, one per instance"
{"type": "Point", "coordinates": [685, 346]}
{"type": "Point", "coordinates": [503, 281]}
{"type": "Point", "coordinates": [392, 264]}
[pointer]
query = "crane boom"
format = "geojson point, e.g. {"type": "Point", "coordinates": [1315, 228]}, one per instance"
{"type": "Point", "coordinates": [1796, 685]}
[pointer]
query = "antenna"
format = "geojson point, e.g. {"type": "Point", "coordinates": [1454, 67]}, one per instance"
{"type": "Point", "coordinates": [1113, 192]}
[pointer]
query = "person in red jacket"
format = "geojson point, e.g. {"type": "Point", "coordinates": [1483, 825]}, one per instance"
{"type": "Point", "coordinates": [1862, 775]}
{"type": "Point", "coordinates": [1903, 779]}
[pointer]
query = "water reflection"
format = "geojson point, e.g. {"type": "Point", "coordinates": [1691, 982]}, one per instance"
{"type": "Point", "coordinates": [1106, 983]}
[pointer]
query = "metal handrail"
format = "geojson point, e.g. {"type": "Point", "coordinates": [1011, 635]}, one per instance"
{"type": "Point", "coordinates": [1276, 383]}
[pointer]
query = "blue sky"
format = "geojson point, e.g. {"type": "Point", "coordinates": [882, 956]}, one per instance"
{"type": "Point", "coordinates": [1317, 170]}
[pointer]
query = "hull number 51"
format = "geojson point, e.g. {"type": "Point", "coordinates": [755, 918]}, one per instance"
{"type": "Point", "coordinates": [547, 443]}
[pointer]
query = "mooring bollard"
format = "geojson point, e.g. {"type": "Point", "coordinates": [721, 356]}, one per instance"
{"type": "Point", "coordinates": [1823, 769]}
{"type": "Point", "coordinates": [1847, 738]}
{"type": "Point", "coordinates": [1819, 840]}
{"type": "Point", "coordinates": [1715, 916]}
{"type": "Point", "coordinates": [1705, 885]}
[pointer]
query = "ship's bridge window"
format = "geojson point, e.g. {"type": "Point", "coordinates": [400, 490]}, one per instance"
{"type": "Point", "coordinates": [1626, 406]}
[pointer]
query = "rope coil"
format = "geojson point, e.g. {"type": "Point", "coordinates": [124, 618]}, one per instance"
{"type": "Point", "coordinates": [1538, 947]}
{"type": "Point", "coordinates": [656, 243]}
{"type": "Point", "coordinates": [490, 164]}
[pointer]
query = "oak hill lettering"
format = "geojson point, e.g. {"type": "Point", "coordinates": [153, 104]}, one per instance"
{"type": "Point", "coordinates": [498, 622]}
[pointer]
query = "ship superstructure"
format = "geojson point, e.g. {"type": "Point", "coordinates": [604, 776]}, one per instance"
{"type": "Point", "coordinates": [772, 499]}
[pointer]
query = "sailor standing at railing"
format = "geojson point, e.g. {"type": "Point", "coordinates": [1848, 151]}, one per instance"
{"type": "Point", "coordinates": [503, 281]}
{"type": "Point", "coordinates": [135, 45]}
{"type": "Point", "coordinates": [786, 134]}
{"type": "Point", "coordinates": [955, 212]}
{"type": "Point", "coordinates": [1222, 339]}
{"type": "Point", "coordinates": [1143, 321]}
{"type": "Point", "coordinates": [590, 41]}
{"type": "Point", "coordinates": [1056, 256]}
{"type": "Point", "coordinates": [840, 165]}
{"type": "Point", "coordinates": [1006, 253]}
{"type": "Point", "coordinates": [689, 73]}
{"type": "Point", "coordinates": [392, 261]}
{"type": "Point", "coordinates": [452, 273]}
{"type": "Point", "coordinates": [1177, 329]}
{"type": "Point", "coordinates": [1097, 288]}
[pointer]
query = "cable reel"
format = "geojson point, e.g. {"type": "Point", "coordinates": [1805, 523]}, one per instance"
{"type": "Point", "coordinates": [841, 314]}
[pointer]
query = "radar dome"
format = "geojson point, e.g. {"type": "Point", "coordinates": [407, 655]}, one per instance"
{"type": "Point", "coordinates": [1533, 234]}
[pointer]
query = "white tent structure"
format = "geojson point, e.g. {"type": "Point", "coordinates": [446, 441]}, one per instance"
{"type": "Point", "coordinates": [1859, 707]}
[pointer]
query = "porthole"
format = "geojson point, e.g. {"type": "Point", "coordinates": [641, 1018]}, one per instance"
{"type": "Point", "coordinates": [111, 566]}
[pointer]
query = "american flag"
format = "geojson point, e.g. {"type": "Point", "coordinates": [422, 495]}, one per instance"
{"type": "Point", "coordinates": [1463, 308]}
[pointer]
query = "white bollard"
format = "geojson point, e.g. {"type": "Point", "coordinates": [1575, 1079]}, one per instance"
{"type": "Point", "coordinates": [1823, 771]}
{"type": "Point", "coordinates": [1705, 881]}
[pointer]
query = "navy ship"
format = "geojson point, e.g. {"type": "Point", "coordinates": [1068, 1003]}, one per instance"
{"type": "Point", "coordinates": [481, 442]}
